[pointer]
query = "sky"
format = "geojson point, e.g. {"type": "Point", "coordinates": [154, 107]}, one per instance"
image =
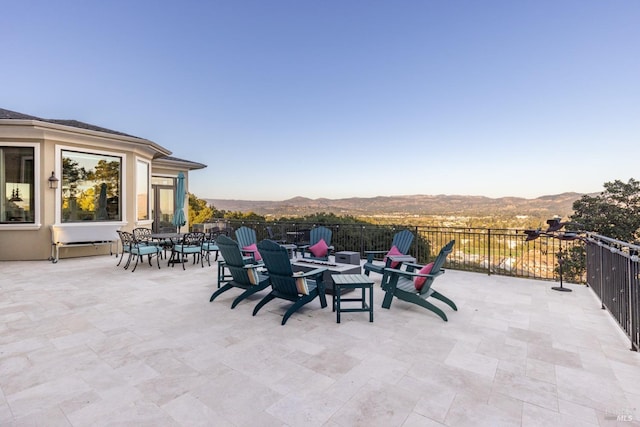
{"type": "Point", "coordinates": [345, 98]}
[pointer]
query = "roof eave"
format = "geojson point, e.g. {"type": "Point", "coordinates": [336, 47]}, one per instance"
{"type": "Point", "coordinates": [158, 149]}
{"type": "Point", "coordinates": [175, 163]}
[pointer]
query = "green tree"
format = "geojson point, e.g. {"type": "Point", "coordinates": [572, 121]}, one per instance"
{"type": "Point", "coordinates": [245, 216]}
{"type": "Point", "coordinates": [614, 213]}
{"type": "Point", "coordinates": [200, 211]}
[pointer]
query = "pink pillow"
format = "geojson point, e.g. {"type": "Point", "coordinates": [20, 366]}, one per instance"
{"type": "Point", "coordinates": [320, 249]}
{"type": "Point", "coordinates": [393, 251]}
{"type": "Point", "coordinates": [253, 248]}
{"type": "Point", "coordinates": [419, 281]}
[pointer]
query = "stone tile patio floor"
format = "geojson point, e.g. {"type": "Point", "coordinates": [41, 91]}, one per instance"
{"type": "Point", "coordinates": [86, 343]}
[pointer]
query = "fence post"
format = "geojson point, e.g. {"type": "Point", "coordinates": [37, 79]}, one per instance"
{"type": "Point", "coordinates": [601, 276]}
{"type": "Point", "coordinates": [632, 318]}
{"type": "Point", "coordinates": [417, 246]}
{"type": "Point", "coordinates": [489, 251]}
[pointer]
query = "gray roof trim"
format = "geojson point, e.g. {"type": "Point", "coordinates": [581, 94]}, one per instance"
{"type": "Point", "coordinates": [176, 162]}
{"type": "Point", "coordinates": [81, 127]}
{"type": "Point", "coordinates": [8, 114]}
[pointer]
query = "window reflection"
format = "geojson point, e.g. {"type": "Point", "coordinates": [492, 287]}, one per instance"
{"type": "Point", "coordinates": [17, 177]}
{"type": "Point", "coordinates": [142, 190]}
{"type": "Point", "coordinates": [91, 187]}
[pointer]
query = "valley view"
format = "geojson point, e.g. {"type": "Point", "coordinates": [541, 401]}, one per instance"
{"type": "Point", "coordinates": [438, 210]}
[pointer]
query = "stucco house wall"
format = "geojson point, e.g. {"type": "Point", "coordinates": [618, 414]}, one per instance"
{"type": "Point", "coordinates": [32, 241]}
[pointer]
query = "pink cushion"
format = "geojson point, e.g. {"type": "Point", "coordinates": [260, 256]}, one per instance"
{"type": "Point", "coordinates": [253, 248]}
{"type": "Point", "coordinates": [419, 281]}
{"type": "Point", "coordinates": [393, 251]}
{"type": "Point", "coordinates": [320, 249]}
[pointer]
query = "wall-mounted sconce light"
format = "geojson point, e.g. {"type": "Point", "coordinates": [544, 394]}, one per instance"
{"type": "Point", "coordinates": [53, 181]}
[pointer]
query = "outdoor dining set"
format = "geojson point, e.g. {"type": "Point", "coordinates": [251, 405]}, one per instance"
{"type": "Point", "coordinates": [298, 273]}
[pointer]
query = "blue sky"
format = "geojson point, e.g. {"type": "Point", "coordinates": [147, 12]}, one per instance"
{"type": "Point", "coordinates": [285, 98]}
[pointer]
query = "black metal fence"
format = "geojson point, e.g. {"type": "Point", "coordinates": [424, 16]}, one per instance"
{"type": "Point", "coordinates": [491, 251]}
{"type": "Point", "coordinates": [613, 272]}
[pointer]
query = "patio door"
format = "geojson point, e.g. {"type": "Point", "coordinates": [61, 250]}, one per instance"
{"type": "Point", "coordinates": [162, 205]}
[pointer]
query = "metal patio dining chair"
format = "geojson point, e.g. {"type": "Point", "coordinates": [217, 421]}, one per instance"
{"type": "Point", "coordinates": [189, 244]}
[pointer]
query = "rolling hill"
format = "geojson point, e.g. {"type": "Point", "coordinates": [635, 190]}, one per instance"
{"type": "Point", "coordinates": [421, 205]}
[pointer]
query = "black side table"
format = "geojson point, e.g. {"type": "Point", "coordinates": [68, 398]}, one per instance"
{"type": "Point", "coordinates": [352, 281]}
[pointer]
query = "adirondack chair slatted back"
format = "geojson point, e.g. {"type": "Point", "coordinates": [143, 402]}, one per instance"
{"type": "Point", "coordinates": [319, 233]}
{"type": "Point", "coordinates": [276, 260]}
{"type": "Point", "coordinates": [233, 259]}
{"type": "Point", "coordinates": [438, 263]}
{"type": "Point", "coordinates": [246, 236]}
{"type": "Point", "coordinates": [402, 240]}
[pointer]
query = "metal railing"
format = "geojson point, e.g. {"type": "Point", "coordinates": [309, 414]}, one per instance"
{"type": "Point", "coordinates": [491, 251]}
{"type": "Point", "coordinates": [613, 272]}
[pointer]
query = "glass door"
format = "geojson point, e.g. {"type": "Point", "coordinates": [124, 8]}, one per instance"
{"type": "Point", "coordinates": [162, 206]}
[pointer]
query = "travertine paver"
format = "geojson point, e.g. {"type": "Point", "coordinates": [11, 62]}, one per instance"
{"type": "Point", "coordinates": [86, 343]}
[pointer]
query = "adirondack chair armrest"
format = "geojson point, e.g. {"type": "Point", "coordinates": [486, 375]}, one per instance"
{"type": "Point", "coordinates": [371, 254]}
{"type": "Point", "coordinates": [257, 265]}
{"type": "Point", "coordinates": [403, 273]}
{"type": "Point", "coordinates": [410, 274]}
{"type": "Point", "coordinates": [312, 273]}
{"type": "Point", "coordinates": [317, 275]}
{"type": "Point", "coordinates": [411, 266]}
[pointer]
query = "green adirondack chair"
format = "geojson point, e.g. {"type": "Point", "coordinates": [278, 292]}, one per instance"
{"type": "Point", "coordinates": [315, 236]}
{"type": "Point", "coordinates": [246, 239]}
{"type": "Point", "coordinates": [401, 284]}
{"type": "Point", "coordinates": [401, 240]}
{"type": "Point", "coordinates": [300, 288]}
{"type": "Point", "coordinates": [244, 276]}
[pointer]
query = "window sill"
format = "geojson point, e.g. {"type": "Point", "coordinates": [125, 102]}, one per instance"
{"type": "Point", "coordinates": [23, 226]}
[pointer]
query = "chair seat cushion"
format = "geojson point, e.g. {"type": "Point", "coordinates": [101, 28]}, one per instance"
{"type": "Point", "coordinates": [188, 249]}
{"type": "Point", "coordinates": [393, 251]}
{"type": "Point", "coordinates": [209, 246]}
{"type": "Point", "coordinates": [253, 248]}
{"type": "Point", "coordinates": [145, 250]}
{"type": "Point", "coordinates": [320, 249]}
{"type": "Point", "coordinates": [420, 281]}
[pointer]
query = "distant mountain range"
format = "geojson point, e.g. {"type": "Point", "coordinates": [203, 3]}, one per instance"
{"type": "Point", "coordinates": [423, 205]}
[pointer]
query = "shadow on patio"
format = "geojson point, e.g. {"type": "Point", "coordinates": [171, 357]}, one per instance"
{"type": "Point", "coordinates": [87, 343]}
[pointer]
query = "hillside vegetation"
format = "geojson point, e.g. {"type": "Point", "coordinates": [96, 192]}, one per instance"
{"type": "Point", "coordinates": [468, 211]}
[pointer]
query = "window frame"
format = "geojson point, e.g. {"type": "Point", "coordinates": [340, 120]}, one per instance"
{"type": "Point", "coordinates": [123, 184]}
{"type": "Point", "coordinates": [37, 198]}
{"type": "Point", "coordinates": [149, 219]}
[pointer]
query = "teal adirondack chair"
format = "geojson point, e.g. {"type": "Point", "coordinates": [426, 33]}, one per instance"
{"type": "Point", "coordinates": [244, 276]}
{"type": "Point", "coordinates": [401, 240]}
{"type": "Point", "coordinates": [246, 237]}
{"type": "Point", "coordinates": [401, 284]}
{"type": "Point", "coordinates": [300, 288]}
{"type": "Point", "coordinates": [317, 234]}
